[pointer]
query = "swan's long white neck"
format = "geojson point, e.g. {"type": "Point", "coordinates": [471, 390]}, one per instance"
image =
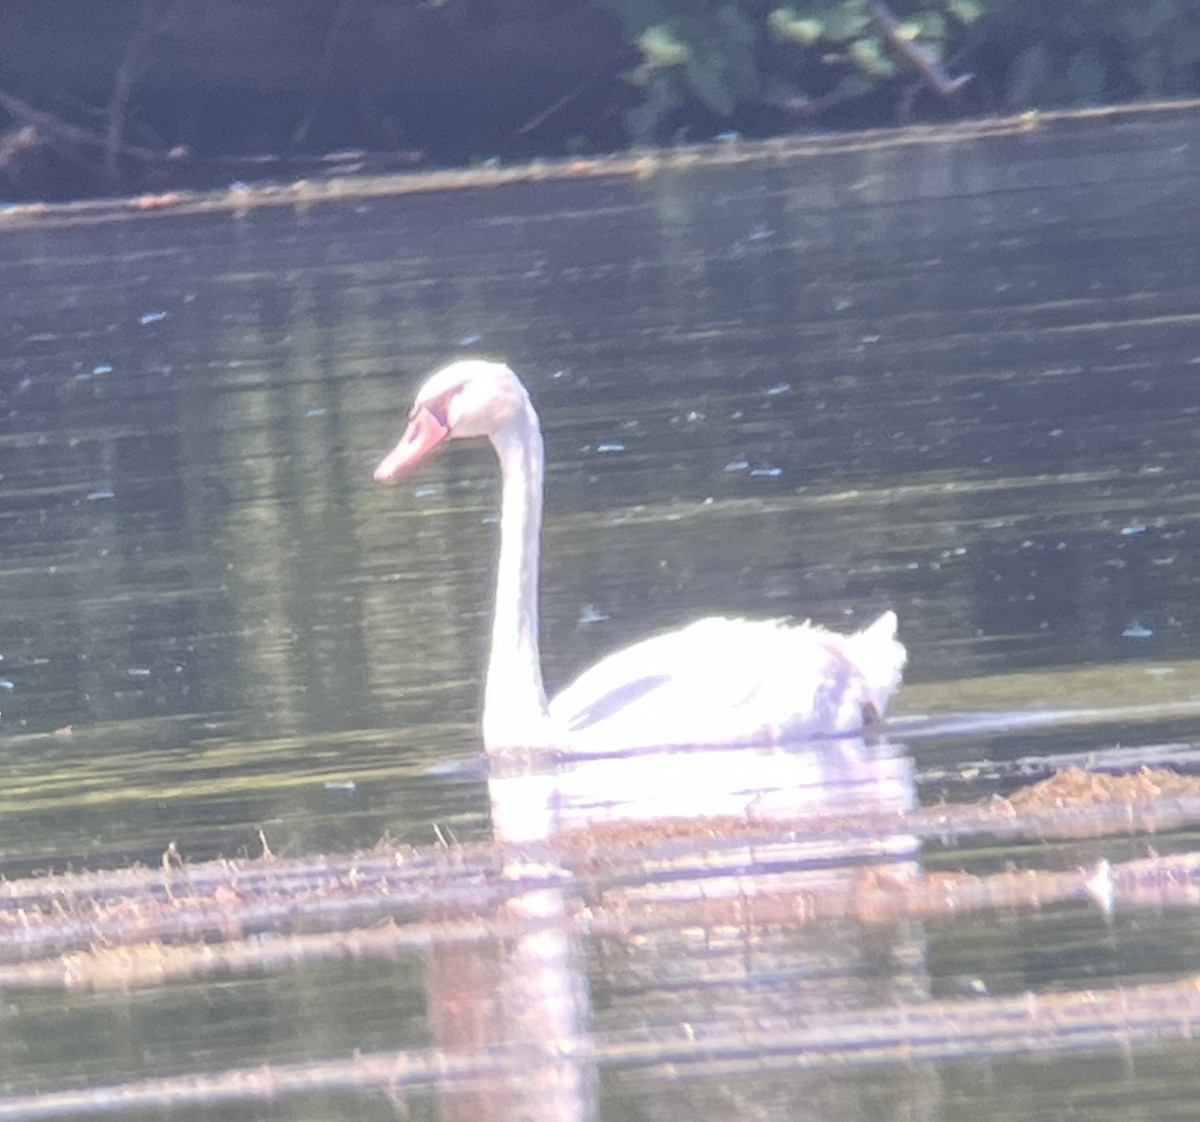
{"type": "Point", "coordinates": [514, 702]}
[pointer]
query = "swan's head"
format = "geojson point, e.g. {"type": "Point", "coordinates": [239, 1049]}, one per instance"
{"type": "Point", "coordinates": [469, 398]}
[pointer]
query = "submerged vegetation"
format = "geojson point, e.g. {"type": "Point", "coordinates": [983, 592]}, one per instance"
{"type": "Point", "coordinates": [149, 92]}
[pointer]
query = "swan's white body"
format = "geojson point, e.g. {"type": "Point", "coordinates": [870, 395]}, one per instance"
{"type": "Point", "coordinates": [715, 682]}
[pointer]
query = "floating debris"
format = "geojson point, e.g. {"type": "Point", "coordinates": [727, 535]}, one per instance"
{"type": "Point", "coordinates": [1133, 529]}
{"type": "Point", "coordinates": [317, 411]}
{"type": "Point", "coordinates": [588, 615]}
{"type": "Point", "coordinates": [610, 447]}
{"type": "Point", "coordinates": [737, 465]}
{"type": "Point", "coordinates": [1101, 887]}
{"type": "Point", "coordinates": [346, 786]}
{"type": "Point", "coordinates": [1136, 630]}
{"type": "Point", "coordinates": [100, 495]}
{"type": "Point", "coordinates": [424, 492]}
{"type": "Point", "coordinates": [470, 340]}
{"type": "Point", "coordinates": [781, 387]}
{"type": "Point", "coordinates": [770, 472]}
{"type": "Point", "coordinates": [138, 672]}
{"type": "Point", "coordinates": [154, 202]}
{"type": "Point", "coordinates": [152, 317]}
{"type": "Point", "coordinates": [1081, 788]}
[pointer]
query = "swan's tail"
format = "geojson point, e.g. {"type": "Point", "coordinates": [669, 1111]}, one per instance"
{"type": "Point", "coordinates": [879, 657]}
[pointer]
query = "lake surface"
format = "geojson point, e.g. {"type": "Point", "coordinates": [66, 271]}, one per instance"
{"type": "Point", "coordinates": [953, 373]}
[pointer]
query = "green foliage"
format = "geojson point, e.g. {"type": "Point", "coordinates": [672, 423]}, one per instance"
{"type": "Point", "coordinates": [691, 50]}
{"type": "Point", "coordinates": [786, 26]}
{"type": "Point", "coordinates": [736, 56]}
{"type": "Point", "coordinates": [726, 55]}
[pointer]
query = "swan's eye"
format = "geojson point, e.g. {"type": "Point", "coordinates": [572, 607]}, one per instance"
{"type": "Point", "coordinates": [439, 410]}
{"type": "Point", "coordinates": [439, 407]}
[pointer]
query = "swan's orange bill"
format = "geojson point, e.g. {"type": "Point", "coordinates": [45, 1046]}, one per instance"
{"type": "Point", "coordinates": [424, 433]}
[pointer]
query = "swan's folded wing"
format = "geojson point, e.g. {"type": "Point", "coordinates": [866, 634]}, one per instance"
{"type": "Point", "coordinates": [731, 681]}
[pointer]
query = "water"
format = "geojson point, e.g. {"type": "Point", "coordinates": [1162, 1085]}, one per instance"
{"type": "Point", "coordinates": [948, 375]}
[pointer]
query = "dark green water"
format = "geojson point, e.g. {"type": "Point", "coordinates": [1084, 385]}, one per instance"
{"type": "Point", "coordinates": [960, 379]}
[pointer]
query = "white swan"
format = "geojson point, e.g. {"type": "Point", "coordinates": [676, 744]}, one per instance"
{"type": "Point", "coordinates": [714, 682]}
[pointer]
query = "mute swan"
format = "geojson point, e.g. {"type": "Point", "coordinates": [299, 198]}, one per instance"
{"type": "Point", "coordinates": [714, 682]}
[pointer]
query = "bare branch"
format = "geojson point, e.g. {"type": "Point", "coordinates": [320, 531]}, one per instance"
{"type": "Point", "coordinates": [934, 73]}
{"type": "Point", "coordinates": [150, 24]}
{"type": "Point", "coordinates": [64, 136]}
